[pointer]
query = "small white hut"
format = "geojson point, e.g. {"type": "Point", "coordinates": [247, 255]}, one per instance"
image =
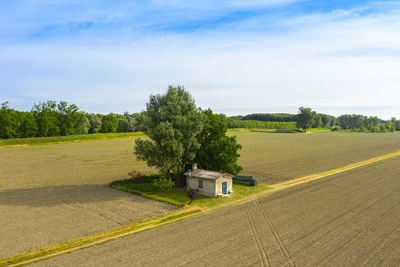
{"type": "Point", "coordinates": [210, 183]}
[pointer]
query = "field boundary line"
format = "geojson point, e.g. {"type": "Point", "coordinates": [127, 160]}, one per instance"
{"type": "Point", "coordinates": [317, 176]}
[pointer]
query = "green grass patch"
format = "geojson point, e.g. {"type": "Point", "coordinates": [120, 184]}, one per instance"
{"type": "Point", "coordinates": [69, 138]}
{"type": "Point", "coordinates": [178, 196]}
{"type": "Point", "coordinates": [275, 130]}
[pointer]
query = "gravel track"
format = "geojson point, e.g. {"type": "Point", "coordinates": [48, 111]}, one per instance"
{"type": "Point", "coordinates": [348, 219]}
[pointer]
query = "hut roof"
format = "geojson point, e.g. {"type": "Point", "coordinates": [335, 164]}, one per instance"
{"type": "Point", "coordinates": [206, 174]}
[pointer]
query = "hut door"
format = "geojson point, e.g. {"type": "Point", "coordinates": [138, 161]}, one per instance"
{"type": "Point", "coordinates": [224, 188]}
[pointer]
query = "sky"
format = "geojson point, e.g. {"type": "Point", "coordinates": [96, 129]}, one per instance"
{"type": "Point", "coordinates": [235, 57]}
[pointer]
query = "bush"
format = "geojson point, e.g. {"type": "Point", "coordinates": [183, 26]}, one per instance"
{"type": "Point", "coordinates": [192, 194]}
{"type": "Point", "coordinates": [162, 184]}
{"type": "Point", "coordinates": [138, 177]}
{"type": "Point", "coordinates": [335, 128]}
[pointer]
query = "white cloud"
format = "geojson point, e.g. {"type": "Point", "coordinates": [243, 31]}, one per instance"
{"type": "Point", "coordinates": [336, 63]}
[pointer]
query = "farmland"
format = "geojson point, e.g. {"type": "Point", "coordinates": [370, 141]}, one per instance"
{"type": "Point", "coordinates": [347, 219]}
{"type": "Point", "coordinates": [273, 157]}
{"type": "Point", "coordinates": [53, 193]}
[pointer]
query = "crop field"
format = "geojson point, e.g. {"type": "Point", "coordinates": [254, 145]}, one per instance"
{"type": "Point", "coordinates": [52, 193]}
{"type": "Point", "coordinates": [348, 219]}
{"type": "Point", "coordinates": [58, 192]}
{"type": "Point", "coordinates": [276, 157]}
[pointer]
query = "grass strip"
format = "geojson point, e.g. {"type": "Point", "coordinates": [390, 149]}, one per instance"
{"type": "Point", "coordinates": [91, 240]}
{"type": "Point", "coordinates": [68, 138]}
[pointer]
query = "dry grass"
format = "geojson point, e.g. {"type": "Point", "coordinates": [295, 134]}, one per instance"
{"type": "Point", "coordinates": [349, 219]}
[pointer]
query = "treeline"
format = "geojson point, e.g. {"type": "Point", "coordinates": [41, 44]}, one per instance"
{"type": "Point", "coordinates": [60, 119]}
{"type": "Point", "coordinates": [360, 123]}
{"type": "Point", "coordinates": [254, 124]}
{"type": "Point", "coordinates": [271, 117]}
{"type": "Point", "coordinates": [278, 121]}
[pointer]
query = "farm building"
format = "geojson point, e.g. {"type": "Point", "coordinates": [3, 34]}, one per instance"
{"type": "Point", "coordinates": [210, 183]}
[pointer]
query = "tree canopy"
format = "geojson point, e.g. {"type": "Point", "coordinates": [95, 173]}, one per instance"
{"type": "Point", "coordinates": [305, 118]}
{"type": "Point", "coordinates": [172, 124]}
{"type": "Point", "coordinates": [217, 151]}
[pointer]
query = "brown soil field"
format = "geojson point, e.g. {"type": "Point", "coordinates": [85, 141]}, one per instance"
{"type": "Point", "coordinates": [272, 158]}
{"type": "Point", "coordinates": [53, 193]}
{"type": "Point", "coordinates": [348, 219]}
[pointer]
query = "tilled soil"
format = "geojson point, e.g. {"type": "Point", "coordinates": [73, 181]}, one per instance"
{"type": "Point", "coordinates": [54, 193]}
{"type": "Point", "coordinates": [275, 157]}
{"type": "Point", "coordinates": [348, 219]}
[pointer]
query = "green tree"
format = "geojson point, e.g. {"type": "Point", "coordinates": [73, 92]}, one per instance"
{"type": "Point", "coordinates": [172, 124]}
{"type": "Point", "coordinates": [7, 123]}
{"type": "Point", "coordinates": [95, 122]}
{"type": "Point", "coordinates": [68, 117]}
{"type": "Point", "coordinates": [305, 118]}
{"type": "Point", "coordinates": [109, 123]}
{"type": "Point", "coordinates": [217, 151]}
{"type": "Point", "coordinates": [28, 127]}
{"type": "Point", "coordinates": [45, 115]}
{"type": "Point", "coordinates": [317, 121]}
{"type": "Point", "coordinates": [82, 125]}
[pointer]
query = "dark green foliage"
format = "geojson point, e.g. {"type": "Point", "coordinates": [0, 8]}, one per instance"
{"type": "Point", "coordinates": [217, 151]}
{"type": "Point", "coordinates": [361, 123]}
{"type": "Point", "coordinates": [250, 124]}
{"type": "Point", "coordinates": [28, 126]}
{"type": "Point", "coordinates": [305, 118]}
{"type": "Point", "coordinates": [7, 122]}
{"type": "Point", "coordinates": [95, 122]}
{"type": "Point", "coordinates": [45, 114]}
{"type": "Point", "coordinates": [67, 118]}
{"type": "Point", "coordinates": [172, 124]}
{"type": "Point", "coordinates": [276, 117]}
{"type": "Point", "coordinates": [109, 123]}
{"type": "Point", "coordinates": [162, 184]}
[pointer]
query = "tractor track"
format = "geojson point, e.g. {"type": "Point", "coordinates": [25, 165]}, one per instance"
{"type": "Point", "coordinates": [277, 239]}
{"type": "Point", "coordinates": [256, 237]}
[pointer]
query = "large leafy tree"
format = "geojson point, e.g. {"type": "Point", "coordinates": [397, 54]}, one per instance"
{"type": "Point", "coordinates": [7, 122]}
{"type": "Point", "coordinates": [217, 150]}
{"type": "Point", "coordinates": [172, 124]}
{"type": "Point", "coordinates": [305, 118]}
{"type": "Point", "coordinates": [45, 115]}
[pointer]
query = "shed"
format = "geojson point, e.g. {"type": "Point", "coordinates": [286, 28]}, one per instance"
{"type": "Point", "coordinates": [210, 183]}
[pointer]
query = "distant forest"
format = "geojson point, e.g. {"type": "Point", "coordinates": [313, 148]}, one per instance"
{"type": "Point", "coordinates": [59, 119]}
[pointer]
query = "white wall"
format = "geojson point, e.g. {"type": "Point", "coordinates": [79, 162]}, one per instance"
{"type": "Point", "coordinates": [208, 186]}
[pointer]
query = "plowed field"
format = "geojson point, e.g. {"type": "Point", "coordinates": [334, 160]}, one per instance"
{"type": "Point", "coordinates": [349, 219]}
{"type": "Point", "coordinates": [53, 193]}
{"type": "Point", "coordinates": [273, 158]}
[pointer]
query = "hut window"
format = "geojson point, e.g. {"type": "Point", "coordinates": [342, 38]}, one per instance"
{"type": "Point", "coordinates": [200, 183]}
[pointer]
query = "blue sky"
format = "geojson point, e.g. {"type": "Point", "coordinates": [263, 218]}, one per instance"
{"type": "Point", "coordinates": [236, 57]}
